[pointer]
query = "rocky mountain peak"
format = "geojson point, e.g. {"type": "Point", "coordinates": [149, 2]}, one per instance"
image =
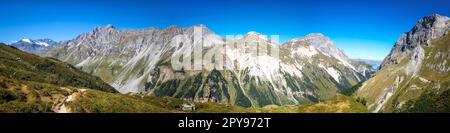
{"type": "Point", "coordinates": [319, 40]}
{"type": "Point", "coordinates": [429, 27]}
{"type": "Point", "coordinates": [313, 35]}
{"type": "Point", "coordinates": [106, 33]}
{"type": "Point", "coordinates": [173, 27]}
{"type": "Point", "coordinates": [205, 30]}
{"type": "Point", "coordinates": [255, 35]}
{"type": "Point", "coordinates": [417, 61]}
{"type": "Point", "coordinates": [25, 40]}
{"type": "Point", "coordinates": [324, 45]}
{"type": "Point", "coordinates": [435, 20]}
{"type": "Point", "coordinates": [108, 27]}
{"type": "Point", "coordinates": [408, 45]}
{"type": "Point", "coordinates": [313, 42]}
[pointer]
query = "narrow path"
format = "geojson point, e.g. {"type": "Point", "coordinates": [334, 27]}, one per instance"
{"type": "Point", "coordinates": [62, 108]}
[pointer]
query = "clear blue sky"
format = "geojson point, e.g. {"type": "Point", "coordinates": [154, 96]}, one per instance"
{"type": "Point", "coordinates": [363, 29]}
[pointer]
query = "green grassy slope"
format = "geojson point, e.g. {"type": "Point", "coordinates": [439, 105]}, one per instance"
{"type": "Point", "coordinates": [435, 97]}
{"type": "Point", "coordinates": [29, 83]}
{"type": "Point", "coordinates": [18, 65]}
{"type": "Point", "coordinates": [92, 101]}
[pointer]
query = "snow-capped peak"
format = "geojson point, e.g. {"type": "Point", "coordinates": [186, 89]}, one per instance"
{"type": "Point", "coordinates": [26, 40]}
{"type": "Point", "coordinates": [42, 44]}
{"type": "Point", "coordinates": [109, 26]}
{"type": "Point", "coordinates": [253, 33]}
{"type": "Point", "coordinates": [39, 42]}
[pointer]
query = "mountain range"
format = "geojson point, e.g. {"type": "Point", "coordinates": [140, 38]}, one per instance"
{"type": "Point", "coordinates": [38, 46]}
{"type": "Point", "coordinates": [311, 69]}
{"type": "Point", "coordinates": [33, 84]}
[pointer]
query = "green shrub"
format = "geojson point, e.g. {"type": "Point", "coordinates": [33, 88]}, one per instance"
{"type": "Point", "coordinates": [6, 95]}
{"type": "Point", "coordinates": [361, 100]}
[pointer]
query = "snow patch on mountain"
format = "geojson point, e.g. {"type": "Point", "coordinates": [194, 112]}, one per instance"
{"type": "Point", "coordinates": [130, 85]}
{"type": "Point", "coordinates": [264, 67]}
{"type": "Point", "coordinates": [307, 51]}
{"type": "Point", "coordinates": [26, 40]}
{"type": "Point", "coordinates": [331, 71]}
{"type": "Point", "coordinates": [257, 35]}
{"type": "Point", "coordinates": [43, 44]}
{"type": "Point", "coordinates": [292, 69]}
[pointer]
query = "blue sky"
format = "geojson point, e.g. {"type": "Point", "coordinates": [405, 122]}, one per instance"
{"type": "Point", "coordinates": [363, 29]}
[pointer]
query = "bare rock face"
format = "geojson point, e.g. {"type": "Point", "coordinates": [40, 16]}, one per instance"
{"type": "Point", "coordinates": [408, 45]}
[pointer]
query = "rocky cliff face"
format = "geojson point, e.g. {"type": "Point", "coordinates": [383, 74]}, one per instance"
{"type": "Point", "coordinates": [417, 67]}
{"type": "Point", "coordinates": [308, 69]}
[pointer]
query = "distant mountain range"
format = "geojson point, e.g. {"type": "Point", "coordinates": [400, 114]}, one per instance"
{"type": "Point", "coordinates": [414, 77]}
{"type": "Point", "coordinates": [38, 46]}
{"type": "Point", "coordinates": [375, 64]}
